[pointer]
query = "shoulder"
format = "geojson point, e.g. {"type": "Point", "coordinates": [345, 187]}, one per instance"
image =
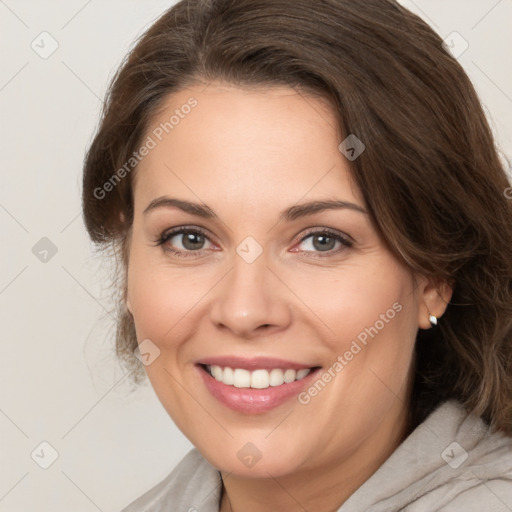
{"type": "Point", "coordinates": [468, 466]}
{"type": "Point", "coordinates": [478, 470]}
{"type": "Point", "coordinates": [478, 465]}
{"type": "Point", "coordinates": [193, 486]}
{"type": "Point", "coordinates": [451, 462]}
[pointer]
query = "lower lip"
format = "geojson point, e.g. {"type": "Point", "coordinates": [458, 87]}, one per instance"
{"type": "Point", "coordinates": [254, 401]}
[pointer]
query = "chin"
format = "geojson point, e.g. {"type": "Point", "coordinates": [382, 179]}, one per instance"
{"type": "Point", "coordinates": [256, 459]}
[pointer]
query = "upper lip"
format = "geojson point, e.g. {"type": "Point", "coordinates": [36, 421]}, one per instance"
{"type": "Point", "coordinates": [254, 363]}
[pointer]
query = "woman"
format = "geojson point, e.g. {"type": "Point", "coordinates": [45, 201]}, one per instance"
{"type": "Point", "coordinates": [316, 253]}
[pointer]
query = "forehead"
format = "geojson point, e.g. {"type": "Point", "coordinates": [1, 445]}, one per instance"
{"type": "Point", "coordinates": [249, 144]}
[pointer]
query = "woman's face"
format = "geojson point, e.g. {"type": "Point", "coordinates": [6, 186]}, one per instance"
{"type": "Point", "coordinates": [252, 257]}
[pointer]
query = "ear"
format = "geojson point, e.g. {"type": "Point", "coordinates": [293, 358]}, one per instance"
{"type": "Point", "coordinates": [434, 297]}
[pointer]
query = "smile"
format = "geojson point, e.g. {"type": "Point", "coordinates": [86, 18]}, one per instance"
{"type": "Point", "coordinates": [254, 386]}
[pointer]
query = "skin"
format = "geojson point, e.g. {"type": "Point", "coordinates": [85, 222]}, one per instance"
{"type": "Point", "coordinates": [250, 153]}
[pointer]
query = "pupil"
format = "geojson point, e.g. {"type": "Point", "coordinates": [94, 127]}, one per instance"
{"type": "Point", "coordinates": [193, 241]}
{"type": "Point", "coordinates": [323, 243]}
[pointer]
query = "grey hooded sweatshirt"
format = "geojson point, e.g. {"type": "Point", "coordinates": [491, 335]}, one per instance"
{"type": "Point", "coordinates": [451, 462]}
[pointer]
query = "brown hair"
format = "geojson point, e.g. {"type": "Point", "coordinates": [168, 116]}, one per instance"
{"type": "Point", "coordinates": [430, 175]}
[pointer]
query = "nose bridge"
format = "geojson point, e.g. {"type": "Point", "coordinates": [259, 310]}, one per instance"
{"type": "Point", "coordinates": [250, 297]}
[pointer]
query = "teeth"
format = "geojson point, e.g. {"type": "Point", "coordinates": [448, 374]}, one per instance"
{"type": "Point", "coordinates": [228, 376]}
{"type": "Point", "coordinates": [257, 379]}
{"type": "Point", "coordinates": [241, 378]}
{"type": "Point", "coordinates": [276, 377]}
{"type": "Point", "coordinates": [217, 373]}
{"type": "Point", "coordinates": [289, 376]}
{"type": "Point", "coordinates": [260, 379]}
{"type": "Point", "coordinates": [302, 373]}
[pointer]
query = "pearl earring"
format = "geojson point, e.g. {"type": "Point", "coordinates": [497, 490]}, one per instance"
{"type": "Point", "coordinates": [432, 318]}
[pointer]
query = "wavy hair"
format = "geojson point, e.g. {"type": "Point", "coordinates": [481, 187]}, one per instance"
{"type": "Point", "coordinates": [431, 175]}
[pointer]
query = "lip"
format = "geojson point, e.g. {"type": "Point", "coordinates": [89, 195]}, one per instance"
{"type": "Point", "coordinates": [254, 401]}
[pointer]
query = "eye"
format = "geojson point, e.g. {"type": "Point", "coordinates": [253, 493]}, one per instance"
{"type": "Point", "coordinates": [324, 241]}
{"type": "Point", "coordinates": [184, 241]}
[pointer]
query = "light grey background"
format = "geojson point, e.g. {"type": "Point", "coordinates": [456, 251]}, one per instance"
{"type": "Point", "coordinates": [59, 379]}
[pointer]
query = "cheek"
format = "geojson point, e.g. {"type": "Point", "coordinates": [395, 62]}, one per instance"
{"type": "Point", "coordinates": [359, 302]}
{"type": "Point", "coordinates": [163, 298]}
{"type": "Point", "coordinates": [371, 314]}
{"type": "Point", "coordinates": [382, 336]}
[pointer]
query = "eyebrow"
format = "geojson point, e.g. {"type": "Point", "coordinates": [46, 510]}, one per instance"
{"type": "Point", "coordinates": [200, 210]}
{"type": "Point", "coordinates": [290, 214]}
{"type": "Point", "coordinates": [302, 210]}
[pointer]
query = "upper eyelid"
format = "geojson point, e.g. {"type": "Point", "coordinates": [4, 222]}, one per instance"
{"type": "Point", "coordinates": [170, 233]}
{"type": "Point", "coordinates": [331, 231]}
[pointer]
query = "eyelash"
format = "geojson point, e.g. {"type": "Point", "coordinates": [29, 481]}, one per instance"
{"type": "Point", "coordinates": [167, 235]}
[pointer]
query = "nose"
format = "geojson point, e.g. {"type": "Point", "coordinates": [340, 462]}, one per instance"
{"type": "Point", "coordinates": [251, 301]}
